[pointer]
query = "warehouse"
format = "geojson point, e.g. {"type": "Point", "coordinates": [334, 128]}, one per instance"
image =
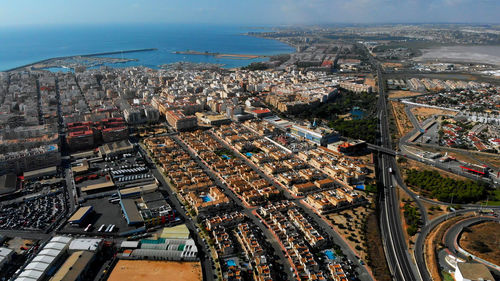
{"type": "Point", "coordinates": [80, 215]}
{"type": "Point", "coordinates": [130, 211]}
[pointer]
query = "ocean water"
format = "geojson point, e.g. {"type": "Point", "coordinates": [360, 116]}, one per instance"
{"type": "Point", "coordinates": [24, 45]}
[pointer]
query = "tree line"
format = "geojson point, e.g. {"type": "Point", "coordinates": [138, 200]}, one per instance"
{"type": "Point", "coordinates": [444, 189]}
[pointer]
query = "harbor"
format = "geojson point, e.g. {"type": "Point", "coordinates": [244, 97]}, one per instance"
{"type": "Point", "coordinates": [88, 60]}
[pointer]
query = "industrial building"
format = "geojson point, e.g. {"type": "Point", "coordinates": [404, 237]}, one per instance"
{"type": "Point", "coordinates": [62, 258]}
{"type": "Point", "coordinates": [80, 215]}
{"type": "Point", "coordinates": [319, 136]}
{"type": "Point", "coordinates": [116, 148]}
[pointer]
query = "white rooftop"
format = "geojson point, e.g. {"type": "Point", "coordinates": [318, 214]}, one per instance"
{"type": "Point", "coordinates": [61, 239]}
{"type": "Point", "coordinates": [40, 266]}
{"type": "Point", "coordinates": [25, 279]}
{"type": "Point", "coordinates": [35, 274]}
{"type": "Point", "coordinates": [55, 245]}
{"type": "Point", "coordinates": [84, 244]}
{"type": "Point", "coordinates": [44, 259]}
{"type": "Point", "coordinates": [50, 252]}
{"type": "Point", "coordinates": [4, 251]}
{"type": "Point", "coordinates": [129, 244]}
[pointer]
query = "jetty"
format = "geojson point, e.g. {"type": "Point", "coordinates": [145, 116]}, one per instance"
{"type": "Point", "coordinates": [219, 55]}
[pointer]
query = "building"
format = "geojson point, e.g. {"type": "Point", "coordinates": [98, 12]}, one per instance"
{"type": "Point", "coordinates": [8, 184]}
{"type": "Point", "coordinates": [167, 249]}
{"type": "Point", "coordinates": [5, 256]}
{"type": "Point", "coordinates": [179, 121]}
{"type": "Point", "coordinates": [131, 212]}
{"type": "Point", "coordinates": [80, 215]}
{"type": "Point", "coordinates": [212, 119]}
{"type": "Point", "coordinates": [348, 147]}
{"type": "Point", "coordinates": [319, 136]}
{"type": "Point", "coordinates": [47, 260]}
{"type": "Point", "coordinates": [141, 115]}
{"type": "Point", "coordinates": [354, 87]}
{"type": "Point", "coordinates": [27, 160]}
{"type": "Point", "coordinates": [82, 135]}
{"type": "Point", "coordinates": [261, 113]}
{"type": "Point", "coordinates": [75, 267]}
{"type": "Point", "coordinates": [467, 271]}
{"type": "Point", "coordinates": [40, 173]}
{"type": "Point", "coordinates": [176, 232]}
{"type": "Point", "coordinates": [116, 148]}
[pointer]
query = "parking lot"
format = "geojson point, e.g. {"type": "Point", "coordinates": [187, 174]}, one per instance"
{"type": "Point", "coordinates": [127, 170]}
{"type": "Point", "coordinates": [37, 213]}
{"type": "Point", "coordinates": [104, 213]}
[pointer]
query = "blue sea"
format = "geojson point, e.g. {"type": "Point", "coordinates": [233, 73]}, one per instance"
{"type": "Point", "coordinates": [24, 45]}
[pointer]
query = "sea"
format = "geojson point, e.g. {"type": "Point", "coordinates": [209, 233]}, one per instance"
{"type": "Point", "coordinates": [25, 45]}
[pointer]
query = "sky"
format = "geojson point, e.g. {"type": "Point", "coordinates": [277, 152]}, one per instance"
{"type": "Point", "coordinates": [248, 12]}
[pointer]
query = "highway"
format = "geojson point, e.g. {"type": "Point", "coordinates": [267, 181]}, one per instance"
{"type": "Point", "coordinates": [396, 251]}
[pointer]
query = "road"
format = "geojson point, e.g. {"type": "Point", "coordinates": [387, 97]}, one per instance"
{"type": "Point", "coordinates": [395, 248]}
{"type": "Point", "coordinates": [419, 244]}
{"type": "Point", "coordinates": [206, 261]}
{"type": "Point", "coordinates": [451, 236]}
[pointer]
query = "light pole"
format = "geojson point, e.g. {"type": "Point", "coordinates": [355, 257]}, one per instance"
{"type": "Point", "coordinates": [451, 206]}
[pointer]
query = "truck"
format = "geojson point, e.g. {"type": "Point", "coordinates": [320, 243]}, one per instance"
{"type": "Point", "coordinates": [390, 170]}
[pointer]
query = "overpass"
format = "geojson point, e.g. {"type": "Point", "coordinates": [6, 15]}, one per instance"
{"type": "Point", "coordinates": [382, 149]}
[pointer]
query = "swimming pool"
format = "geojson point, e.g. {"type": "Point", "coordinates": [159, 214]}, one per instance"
{"type": "Point", "coordinates": [206, 198]}
{"type": "Point", "coordinates": [360, 186]}
{"type": "Point", "coordinates": [249, 154]}
{"type": "Point", "coordinates": [225, 157]}
{"type": "Point", "coordinates": [330, 255]}
{"type": "Point", "coordinates": [230, 263]}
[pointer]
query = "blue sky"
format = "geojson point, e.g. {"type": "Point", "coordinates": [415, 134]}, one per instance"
{"type": "Point", "coordinates": [252, 12]}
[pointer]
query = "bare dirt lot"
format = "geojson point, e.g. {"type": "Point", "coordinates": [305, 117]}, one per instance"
{"type": "Point", "coordinates": [402, 121]}
{"type": "Point", "coordinates": [412, 164]}
{"type": "Point", "coordinates": [395, 94]}
{"type": "Point", "coordinates": [392, 64]}
{"type": "Point", "coordinates": [482, 241]}
{"type": "Point", "coordinates": [349, 224]}
{"type": "Point", "coordinates": [422, 113]}
{"type": "Point", "coordinates": [135, 270]}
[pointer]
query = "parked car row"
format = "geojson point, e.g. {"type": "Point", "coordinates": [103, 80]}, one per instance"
{"type": "Point", "coordinates": [38, 213]}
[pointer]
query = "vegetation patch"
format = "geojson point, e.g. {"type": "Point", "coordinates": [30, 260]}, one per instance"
{"type": "Point", "coordinates": [412, 218]}
{"type": "Point", "coordinates": [444, 189]}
